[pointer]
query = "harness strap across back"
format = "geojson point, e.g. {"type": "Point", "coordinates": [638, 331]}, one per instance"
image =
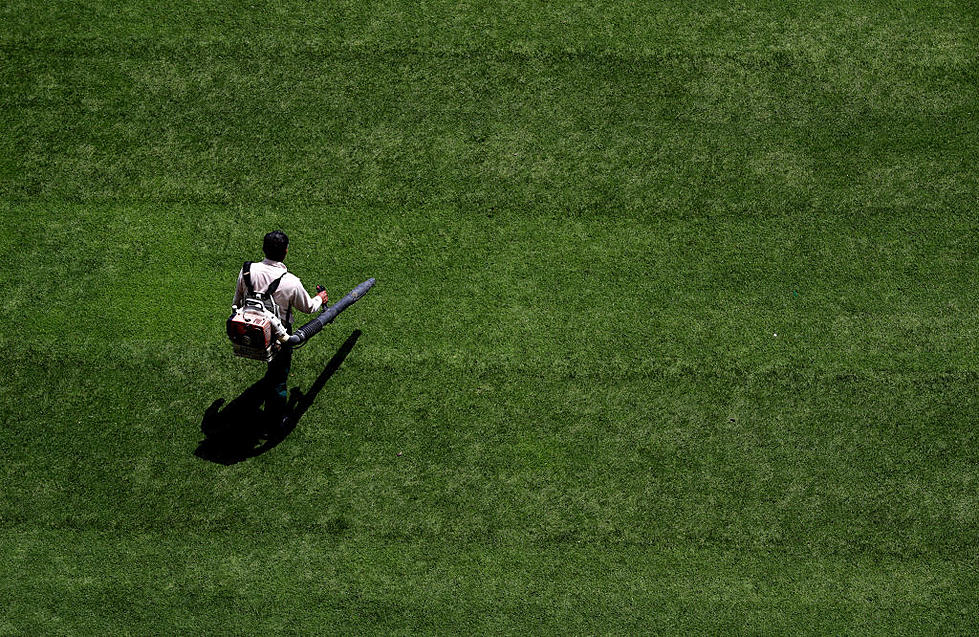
{"type": "Point", "coordinates": [247, 276]}
{"type": "Point", "coordinates": [273, 286]}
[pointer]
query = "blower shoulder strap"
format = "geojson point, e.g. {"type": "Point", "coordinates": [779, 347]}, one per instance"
{"type": "Point", "coordinates": [274, 285]}
{"type": "Point", "coordinates": [247, 276]}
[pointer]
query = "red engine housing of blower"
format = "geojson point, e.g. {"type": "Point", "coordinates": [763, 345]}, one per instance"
{"type": "Point", "coordinates": [252, 334]}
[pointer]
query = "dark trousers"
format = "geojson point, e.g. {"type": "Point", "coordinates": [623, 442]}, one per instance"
{"type": "Point", "coordinates": [276, 380]}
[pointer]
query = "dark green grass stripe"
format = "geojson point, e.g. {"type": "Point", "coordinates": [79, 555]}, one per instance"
{"type": "Point", "coordinates": [308, 583]}
{"type": "Point", "coordinates": [749, 55]}
{"type": "Point", "coordinates": [835, 467]}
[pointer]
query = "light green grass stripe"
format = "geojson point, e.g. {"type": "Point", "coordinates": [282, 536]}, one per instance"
{"type": "Point", "coordinates": [877, 293]}
{"type": "Point", "coordinates": [691, 130]}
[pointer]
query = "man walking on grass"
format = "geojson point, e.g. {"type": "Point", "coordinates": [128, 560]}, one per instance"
{"type": "Point", "coordinates": [289, 294]}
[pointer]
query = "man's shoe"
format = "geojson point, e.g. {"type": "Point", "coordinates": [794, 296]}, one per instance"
{"type": "Point", "coordinates": [281, 428]}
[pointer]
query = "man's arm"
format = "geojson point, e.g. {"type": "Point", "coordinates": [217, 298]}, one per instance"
{"type": "Point", "coordinates": [302, 301]}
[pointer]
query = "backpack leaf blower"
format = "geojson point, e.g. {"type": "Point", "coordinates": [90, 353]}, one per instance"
{"type": "Point", "coordinates": [257, 333]}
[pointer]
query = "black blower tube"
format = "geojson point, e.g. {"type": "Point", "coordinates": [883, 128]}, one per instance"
{"type": "Point", "coordinates": [312, 328]}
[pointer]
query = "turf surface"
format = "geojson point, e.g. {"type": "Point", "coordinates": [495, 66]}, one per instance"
{"type": "Point", "coordinates": [674, 328]}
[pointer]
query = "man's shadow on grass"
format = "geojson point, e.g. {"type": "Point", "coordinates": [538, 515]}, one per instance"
{"type": "Point", "coordinates": [243, 430]}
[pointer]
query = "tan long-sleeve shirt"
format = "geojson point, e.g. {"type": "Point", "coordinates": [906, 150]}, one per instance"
{"type": "Point", "coordinates": [290, 293]}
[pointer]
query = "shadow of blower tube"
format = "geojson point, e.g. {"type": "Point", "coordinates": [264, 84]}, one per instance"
{"type": "Point", "coordinates": [314, 326]}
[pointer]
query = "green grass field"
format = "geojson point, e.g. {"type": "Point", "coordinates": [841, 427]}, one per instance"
{"type": "Point", "coordinates": [674, 329]}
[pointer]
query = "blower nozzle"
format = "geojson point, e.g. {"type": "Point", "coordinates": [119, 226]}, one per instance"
{"type": "Point", "coordinates": [314, 326]}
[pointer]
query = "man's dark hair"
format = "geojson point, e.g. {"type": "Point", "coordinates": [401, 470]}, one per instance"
{"type": "Point", "coordinates": [275, 245]}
